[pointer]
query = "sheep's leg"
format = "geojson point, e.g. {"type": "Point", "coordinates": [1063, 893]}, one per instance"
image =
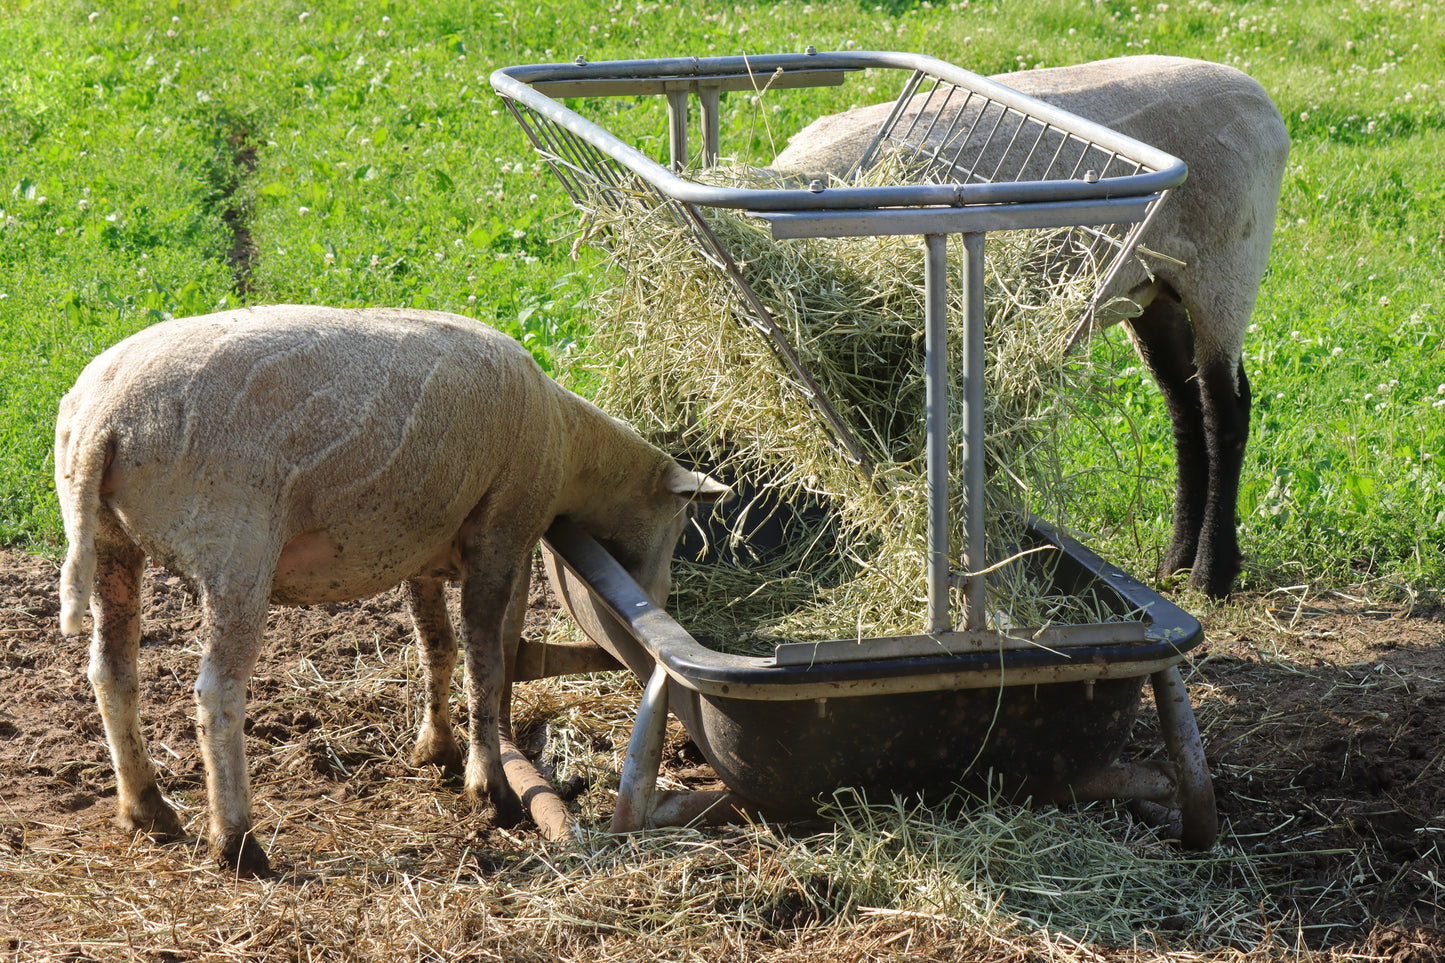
{"type": "Point", "coordinates": [1227, 401]}
{"type": "Point", "coordinates": [511, 642]}
{"type": "Point", "coordinates": [487, 592]}
{"type": "Point", "coordinates": [1165, 342]}
{"type": "Point", "coordinates": [435, 744]}
{"type": "Point", "coordinates": [114, 653]}
{"type": "Point", "coordinates": [235, 617]}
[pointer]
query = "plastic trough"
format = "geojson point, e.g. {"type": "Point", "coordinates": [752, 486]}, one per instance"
{"type": "Point", "coordinates": [1044, 717]}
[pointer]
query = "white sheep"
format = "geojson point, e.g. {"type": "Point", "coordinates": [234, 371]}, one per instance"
{"type": "Point", "coordinates": [301, 454]}
{"type": "Point", "coordinates": [1190, 328]}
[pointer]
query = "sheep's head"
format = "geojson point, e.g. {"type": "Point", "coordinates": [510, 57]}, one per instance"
{"type": "Point", "coordinates": [645, 531]}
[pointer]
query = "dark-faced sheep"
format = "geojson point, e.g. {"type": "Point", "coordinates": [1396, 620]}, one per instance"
{"type": "Point", "coordinates": [1192, 317]}
{"type": "Point", "coordinates": [298, 455]}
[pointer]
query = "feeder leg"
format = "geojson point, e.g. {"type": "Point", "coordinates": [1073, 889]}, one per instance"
{"type": "Point", "coordinates": [975, 551]}
{"type": "Point", "coordinates": [708, 98]}
{"type": "Point", "coordinates": [936, 420]}
{"type": "Point", "coordinates": [644, 757]}
{"type": "Point", "coordinates": [1199, 821]}
{"type": "Point", "coordinates": [677, 128]}
{"type": "Point", "coordinates": [700, 807]}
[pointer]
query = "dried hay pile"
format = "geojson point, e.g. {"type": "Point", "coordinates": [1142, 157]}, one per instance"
{"type": "Point", "coordinates": [676, 356]}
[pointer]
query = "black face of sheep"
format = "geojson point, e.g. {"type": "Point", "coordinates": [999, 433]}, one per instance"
{"type": "Point", "coordinates": [1219, 223]}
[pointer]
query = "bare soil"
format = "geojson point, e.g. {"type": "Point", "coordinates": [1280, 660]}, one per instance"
{"type": "Point", "coordinates": [1323, 722]}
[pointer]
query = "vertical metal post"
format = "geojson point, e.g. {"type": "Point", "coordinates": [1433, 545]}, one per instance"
{"type": "Point", "coordinates": [677, 128]}
{"type": "Point", "coordinates": [935, 315]}
{"type": "Point", "coordinates": [708, 101]}
{"type": "Point", "coordinates": [644, 757]}
{"type": "Point", "coordinates": [1199, 819]}
{"type": "Point", "coordinates": [974, 549]}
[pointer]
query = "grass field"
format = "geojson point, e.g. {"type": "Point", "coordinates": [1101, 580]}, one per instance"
{"type": "Point", "coordinates": [176, 159]}
{"type": "Point", "coordinates": [166, 159]}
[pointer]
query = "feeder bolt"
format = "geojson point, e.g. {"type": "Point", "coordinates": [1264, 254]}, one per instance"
{"type": "Point", "coordinates": [581, 61]}
{"type": "Point", "coordinates": [810, 51]}
{"type": "Point", "coordinates": [816, 186]}
{"type": "Point", "coordinates": [822, 708]}
{"type": "Point", "coordinates": [1088, 690]}
{"type": "Point", "coordinates": [1091, 177]}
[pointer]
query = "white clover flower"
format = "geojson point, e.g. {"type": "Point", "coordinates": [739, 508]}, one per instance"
{"type": "Point", "coordinates": [1336, 352]}
{"type": "Point", "coordinates": [303, 210]}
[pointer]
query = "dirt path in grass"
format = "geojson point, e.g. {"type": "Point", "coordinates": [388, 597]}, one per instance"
{"type": "Point", "coordinates": [1324, 725]}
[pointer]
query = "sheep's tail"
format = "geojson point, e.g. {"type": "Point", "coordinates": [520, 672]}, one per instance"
{"type": "Point", "coordinates": [80, 464]}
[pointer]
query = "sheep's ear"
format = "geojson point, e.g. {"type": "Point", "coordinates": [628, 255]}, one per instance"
{"type": "Point", "coordinates": [695, 485]}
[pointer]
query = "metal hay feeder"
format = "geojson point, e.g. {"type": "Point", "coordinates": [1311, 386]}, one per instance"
{"type": "Point", "coordinates": [1047, 710]}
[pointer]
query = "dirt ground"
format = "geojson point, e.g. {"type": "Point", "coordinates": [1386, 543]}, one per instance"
{"type": "Point", "coordinates": [1323, 722]}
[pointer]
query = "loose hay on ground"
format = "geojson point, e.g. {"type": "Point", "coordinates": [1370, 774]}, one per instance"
{"type": "Point", "coordinates": [379, 865]}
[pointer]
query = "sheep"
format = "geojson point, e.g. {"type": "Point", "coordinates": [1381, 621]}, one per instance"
{"type": "Point", "coordinates": [298, 455]}
{"type": "Point", "coordinates": [1189, 320]}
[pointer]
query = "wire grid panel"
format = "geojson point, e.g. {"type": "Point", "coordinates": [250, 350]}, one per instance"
{"type": "Point", "coordinates": [595, 179]}
{"type": "Point", "coordinates": [943, 132]}
{"type": "Point", "coordinates": [971, 152]}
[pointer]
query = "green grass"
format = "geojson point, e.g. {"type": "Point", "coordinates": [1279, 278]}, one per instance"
{"type": "Point", "coordinates": [360, 152]}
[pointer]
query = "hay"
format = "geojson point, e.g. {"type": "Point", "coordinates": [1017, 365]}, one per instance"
{"type": "Point", "coordinates": [675, 356]}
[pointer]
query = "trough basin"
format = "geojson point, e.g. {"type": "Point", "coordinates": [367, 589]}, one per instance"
{"type": "Point", "coordinates": [1042, 714]}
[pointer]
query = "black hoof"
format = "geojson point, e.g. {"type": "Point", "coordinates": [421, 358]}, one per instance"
{"type": "Point", "coordinates": [243, 856]}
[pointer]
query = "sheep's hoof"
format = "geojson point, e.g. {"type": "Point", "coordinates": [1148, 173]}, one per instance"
{"type": "Point", "coordinates": [151, 815]}
{"type": "Point", "coordinates": [504, 813]}
{"type": "Point", "coordinates": [1215, 585]}
{"type": "Point", "coordinates": [449, 758]}
{"type": "Point", "coordinates": [1178, 560]}
{"type": "Point", "coordinates": [239, 853]}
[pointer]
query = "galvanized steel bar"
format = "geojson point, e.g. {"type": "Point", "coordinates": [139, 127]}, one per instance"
{"type": "Point", "coordinates": [677, 128]}
{"type": "Point", "coordinates": [709, 106]}
{"type": "Point", "coordinates": [954, 220]}
{"type": "Point", "coordinates": [644, 757]}
{"type": "Point", "coordinates": [935, 320]}
{"type": "Point", "coordinates": [1199, 818]}
{"type": "Point", "coordinates": [973, 364]}
{"type": "Point", "coordinates": [514, 82]}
